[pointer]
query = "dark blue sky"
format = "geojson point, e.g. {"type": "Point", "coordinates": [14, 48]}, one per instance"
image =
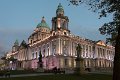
{"type": "Point", "coordinates": [18, 19]}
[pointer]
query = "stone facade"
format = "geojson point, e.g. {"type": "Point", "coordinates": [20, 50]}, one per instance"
{"type": "Point", "coordinates": [58, 47]}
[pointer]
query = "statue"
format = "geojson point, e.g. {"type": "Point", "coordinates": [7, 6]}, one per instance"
{"type": "Point", "coordinates": [79, 61]}
{"type": "Point", "coordinates": [40, 60]}
{"type": "Point", "coordinates": [40, 63]}
{"type": "Point", "coordinates": [78, 48]}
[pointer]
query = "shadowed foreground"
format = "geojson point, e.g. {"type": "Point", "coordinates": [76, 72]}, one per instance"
{"type": "Point", "coordinates": [64, 77]}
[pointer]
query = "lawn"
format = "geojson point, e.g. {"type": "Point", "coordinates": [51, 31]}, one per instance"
{"type": "Point", "coordinates": [64, 77]}
{"type": "Point", "coordinates": [17, 72]}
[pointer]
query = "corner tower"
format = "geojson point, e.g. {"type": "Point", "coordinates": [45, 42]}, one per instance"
{"type": "Point", "coordinates": [15, 46]}
{"type": "Point", "coordinates": [60, 22]}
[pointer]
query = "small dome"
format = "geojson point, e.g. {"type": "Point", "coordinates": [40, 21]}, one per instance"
{"type": "Point", "coordinates": [43, 24]}
{"type": "Point", "coordinates": [16, 43]}
{"type": "Point", "coordinates": [60, 6]}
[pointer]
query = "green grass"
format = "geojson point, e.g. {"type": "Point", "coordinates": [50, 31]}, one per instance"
{"type": "Point", "coordinates": [16, 72]}
{"type": "Point", "coordinates": [64, 77]}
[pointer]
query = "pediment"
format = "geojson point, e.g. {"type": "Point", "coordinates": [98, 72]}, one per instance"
{"type": "Point", "coordinates": [102, 43]}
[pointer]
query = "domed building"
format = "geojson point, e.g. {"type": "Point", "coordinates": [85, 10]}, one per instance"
{"type": "Point", "coordinates": [58, 47]}
{"type": "Point", "coordinates": [42, 31]}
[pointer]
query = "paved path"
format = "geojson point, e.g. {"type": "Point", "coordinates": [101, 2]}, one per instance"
{"type": "Point", "coordinates": [35, 74]}
{"type": "Point", "coordinates": [109, 73]}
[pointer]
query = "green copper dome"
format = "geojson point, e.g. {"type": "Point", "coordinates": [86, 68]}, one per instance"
{"type": "Point", "coordinates": [16, 43]}
{"type": "Point", "coordinates": [60, 6]}
{"type": "Point", "coordinates": [43, 24]}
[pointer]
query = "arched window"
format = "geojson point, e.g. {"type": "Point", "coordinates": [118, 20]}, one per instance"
{"type": "Point", "coordinates": [32, 55]}
{"type": "Point", "coordinates": [36, 55]}
{"type": "Point", "coordinates": [31, 41]}
{"type": "Point", "coordinates": [53, 34]}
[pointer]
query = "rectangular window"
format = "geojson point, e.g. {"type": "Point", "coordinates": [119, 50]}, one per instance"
{"type": "Point", "coordinates": [32, 55]}
{"type": "Point", "coordinates": [65, 62]}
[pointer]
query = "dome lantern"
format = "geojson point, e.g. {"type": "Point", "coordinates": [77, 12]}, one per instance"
{"type": "Point", "coordinates": [60, 10]}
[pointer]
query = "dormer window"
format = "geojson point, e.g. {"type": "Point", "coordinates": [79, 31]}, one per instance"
{"type": "Point", "coordinates": [65, 33]}
{"type": "Point", "coordinates": [31, 41]}
{"type": "Point", "coordinates": [53, 34]}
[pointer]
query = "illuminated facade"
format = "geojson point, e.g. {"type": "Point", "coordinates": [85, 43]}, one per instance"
{"type": "Point", "coordinates": [58, 47]}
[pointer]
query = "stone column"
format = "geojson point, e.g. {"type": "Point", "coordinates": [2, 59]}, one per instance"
{"type": "Point", "coordinates": [58, 52]}
{"type": "Point", "coordinates": [61, 47]}
{"type": "Point", "coordinates": [51, 52]}
{"type": "Point", "coordinates": [69, 48]}
{"type": "Point", "coordinates": [97, 55]}
{"type": "Point", "coordinates": [88, 51]}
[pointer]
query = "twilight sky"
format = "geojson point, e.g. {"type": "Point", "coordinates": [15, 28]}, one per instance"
{"type": "Point", "coordinates": [18, 19]}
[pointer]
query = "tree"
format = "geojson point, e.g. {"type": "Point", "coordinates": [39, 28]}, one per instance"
{"type": "Point", "coordinates": [3, 58]}
{"type": "Point", "coordinates": [12, 59]}
{"type": "Point", "coordinates": [5, 61]}
{"type": "Point", "coordinates": [105, 7]}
